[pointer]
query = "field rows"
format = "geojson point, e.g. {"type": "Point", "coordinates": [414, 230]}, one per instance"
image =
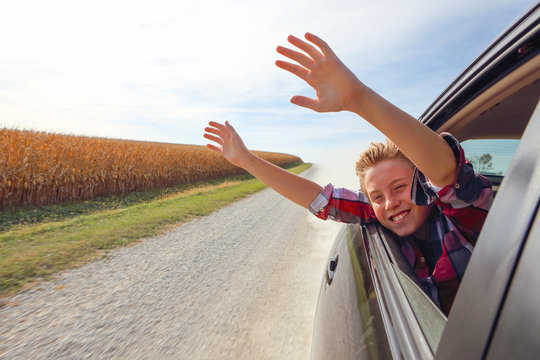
{"type": "Point", "coordinates": [40, 168]}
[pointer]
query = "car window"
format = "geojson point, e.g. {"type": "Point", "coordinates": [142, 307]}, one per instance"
{"type": "Point", "coordinates": [490, 157]}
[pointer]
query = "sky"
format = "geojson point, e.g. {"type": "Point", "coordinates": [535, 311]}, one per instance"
{"type": "Point", "coordinates": [160, 70]}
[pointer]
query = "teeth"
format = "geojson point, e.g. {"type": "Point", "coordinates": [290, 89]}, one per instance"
{"type": "Point", "coordinates": [400, 216]}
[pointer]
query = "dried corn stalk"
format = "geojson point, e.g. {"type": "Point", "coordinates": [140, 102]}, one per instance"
{"type": "Point", "coordinates": [38, 168]}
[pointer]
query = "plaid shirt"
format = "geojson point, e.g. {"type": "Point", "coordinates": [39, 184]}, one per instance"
{"type": "Point", "coordinates": [451, 229]}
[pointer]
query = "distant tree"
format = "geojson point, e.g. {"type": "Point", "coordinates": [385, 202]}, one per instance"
{"type": "Point", "coordinates": [482, 163]}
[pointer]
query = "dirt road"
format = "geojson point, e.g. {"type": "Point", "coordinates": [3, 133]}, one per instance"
{"type": "Point", "coordinates": [241, 283]}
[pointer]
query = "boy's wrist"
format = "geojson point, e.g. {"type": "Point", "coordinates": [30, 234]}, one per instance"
{"type": "Point", "coordinates": [357, 98]}
{"type": "Point", "coordinates": [246, 160]}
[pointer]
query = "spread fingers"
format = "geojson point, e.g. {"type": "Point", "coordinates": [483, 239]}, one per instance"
{"type": "Point", "coordinates": [308, 48]}
{"type": "Point", "coordinates": [297, 70]}
{"type": "Point", "coordinates": [214, 138]}
{"type": "Point", "coordinates": [300, 58]}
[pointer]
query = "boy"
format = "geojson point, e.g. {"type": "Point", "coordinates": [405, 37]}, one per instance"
{"type": "Point", "coordinates": [417, 184]}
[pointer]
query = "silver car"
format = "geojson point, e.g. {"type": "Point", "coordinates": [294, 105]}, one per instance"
{"type": "Point", "coordinates": [371, 305]}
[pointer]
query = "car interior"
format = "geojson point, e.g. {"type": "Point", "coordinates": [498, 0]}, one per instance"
{"type": "Point", "coordinates": [501, 112]}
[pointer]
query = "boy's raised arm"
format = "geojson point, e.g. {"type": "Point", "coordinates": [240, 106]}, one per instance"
{"type": "Point", "coordinates": [337, 89]}
{"type": "Point", "coordinates": [295, 188]}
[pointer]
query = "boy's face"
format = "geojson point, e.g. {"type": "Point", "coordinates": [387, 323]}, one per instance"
{"type": "Point", "coordinates": [388, 186]}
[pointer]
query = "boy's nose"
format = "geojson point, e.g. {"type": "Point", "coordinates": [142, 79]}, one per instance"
{"type": "Point", "coordinates": [391, 203]}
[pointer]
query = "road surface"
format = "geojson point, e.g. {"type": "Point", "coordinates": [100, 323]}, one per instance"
{"type": "Point", "coordinates": [241, 283]}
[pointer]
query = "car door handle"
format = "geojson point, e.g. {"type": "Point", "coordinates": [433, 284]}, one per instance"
{"type": "Point", "coordinates": [331, 269]}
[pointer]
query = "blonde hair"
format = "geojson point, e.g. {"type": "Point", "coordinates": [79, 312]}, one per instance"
{"type": "Point", "coordinates": [376, 153]}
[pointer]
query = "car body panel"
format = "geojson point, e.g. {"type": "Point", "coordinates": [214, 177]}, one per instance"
{"type": "Point", "coordinates": [350, 296]}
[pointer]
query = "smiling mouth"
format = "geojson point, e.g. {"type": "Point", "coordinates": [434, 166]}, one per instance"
{"type": "Point", "coordinates": [396, 219]}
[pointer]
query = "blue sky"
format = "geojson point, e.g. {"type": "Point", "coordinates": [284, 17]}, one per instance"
{"type": "Point", "coordinates": [160, 70]}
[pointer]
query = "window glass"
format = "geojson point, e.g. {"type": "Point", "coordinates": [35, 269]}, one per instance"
{"type": "Point", "coordinates": [429, 317]}
{"type": "Point", "coordinates": [490, 156]}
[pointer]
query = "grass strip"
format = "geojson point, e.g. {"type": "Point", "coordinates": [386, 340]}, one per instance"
{"type": "Point", "coordinates": [37, 251]}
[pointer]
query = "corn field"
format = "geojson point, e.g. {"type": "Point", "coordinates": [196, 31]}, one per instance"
{"type": "Point", "coordinates": [39, 168]}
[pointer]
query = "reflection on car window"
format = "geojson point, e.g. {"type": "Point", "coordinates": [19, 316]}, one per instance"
{"type": "Point", "coordinates": [428, 315]}
{"type": "Point", "coordinates": [490, 156]}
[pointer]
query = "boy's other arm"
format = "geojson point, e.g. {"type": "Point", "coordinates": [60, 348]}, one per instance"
{"type": "Point", "coordinates": [337, 89]}
{"type": "Point", "coordinates": [295, 188]}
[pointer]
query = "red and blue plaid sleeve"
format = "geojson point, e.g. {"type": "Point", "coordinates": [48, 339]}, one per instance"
{"type": "Point", "coordinates": [342, 205]}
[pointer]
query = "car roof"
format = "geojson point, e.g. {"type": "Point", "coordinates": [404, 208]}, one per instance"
{"type": "Point", "coordinates": [505, 77]}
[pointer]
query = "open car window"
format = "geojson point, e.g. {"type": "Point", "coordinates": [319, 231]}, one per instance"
{"type": "Point", "coordinates": [491, 158]}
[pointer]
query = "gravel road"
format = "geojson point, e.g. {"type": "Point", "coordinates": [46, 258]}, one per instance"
{"type": "Point", "coordinates": [241, 283]}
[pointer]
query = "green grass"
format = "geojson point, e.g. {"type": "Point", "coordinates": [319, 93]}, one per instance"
{"type": "Point", "coordinates": [39, 214]}
{"type": "Point", "coordinates": [39, 242]}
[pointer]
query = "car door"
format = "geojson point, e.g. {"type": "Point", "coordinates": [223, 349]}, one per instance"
{"type": "Point", "coordinates": [348, 322]}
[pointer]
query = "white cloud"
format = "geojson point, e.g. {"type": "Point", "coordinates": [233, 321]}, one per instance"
{"type": "Point", "coordinates": [160, 70]}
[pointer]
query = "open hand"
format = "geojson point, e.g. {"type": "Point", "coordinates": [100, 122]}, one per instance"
{"type": "Point", "coordinates": [337, 88]}
{"type": "Point", "coordinates": [230, 143]}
